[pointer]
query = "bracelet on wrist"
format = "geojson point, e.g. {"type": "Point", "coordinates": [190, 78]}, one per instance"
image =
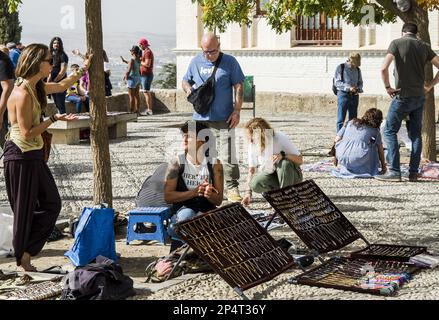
{"type": "Point", "coordinates": [53, 118]}
{"type": "Point", "coordinates": [388, 87]}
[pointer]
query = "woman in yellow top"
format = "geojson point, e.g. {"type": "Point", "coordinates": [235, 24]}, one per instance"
{"type": "Point", "coordinates": [31, 189]}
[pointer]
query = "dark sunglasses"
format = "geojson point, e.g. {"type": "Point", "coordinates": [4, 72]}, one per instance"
{"type": "Point", "coordinates": [211, 52]}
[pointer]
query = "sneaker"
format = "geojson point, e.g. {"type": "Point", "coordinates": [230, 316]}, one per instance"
{"type": "Point", "coordinates": [149, 113]}
{"type": "Point", "coordinates": [233, 195]}
{"type": "Point", "coordinates": [389, 176]}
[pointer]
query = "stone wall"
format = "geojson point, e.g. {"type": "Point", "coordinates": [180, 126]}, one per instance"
{"type": "Point", "coordinates": [324, 104]}
{"type": "Point", "coordinates": [266, 103]}
{"type": "Point", "coordinates": [164, 102]}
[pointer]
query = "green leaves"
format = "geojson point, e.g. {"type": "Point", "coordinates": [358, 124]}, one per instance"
{"type": "Point", "coordinates": [280, 14]}
{"type": "Point", "coordinates": [217, 14]}
{"type": "Point", "coordinates": [167, 78]}
{"type": "Point", "coordinates": [13, 5]}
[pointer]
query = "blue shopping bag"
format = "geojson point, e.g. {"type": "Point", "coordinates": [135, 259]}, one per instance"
{"type": "Point", "coordinates": [94, 236]}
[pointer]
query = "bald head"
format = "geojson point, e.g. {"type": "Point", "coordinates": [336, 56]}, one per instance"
{"type": "Point", "coordinates": [211, 46]}
{"type": "Point", "coordinates": [209, 39]}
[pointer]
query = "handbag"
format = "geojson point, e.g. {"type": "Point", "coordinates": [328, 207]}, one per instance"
{"type": "Point", "coordinates": [202, 97]}
{"type": "Point", "coordinates": [94, 236]}
{"type": "Point", "coordinates": [47, 139]}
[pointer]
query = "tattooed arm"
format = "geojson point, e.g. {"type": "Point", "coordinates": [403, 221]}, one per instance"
{"type": "Point", "coordinates": [171, 193]}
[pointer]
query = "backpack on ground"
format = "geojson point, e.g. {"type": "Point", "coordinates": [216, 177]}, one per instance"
{"type": "Point", "coordinates": [103, 280]}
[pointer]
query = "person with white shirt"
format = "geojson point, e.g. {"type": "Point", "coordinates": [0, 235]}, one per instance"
{"type": "Point", "coordinates": [194, 181]}
{"type": "Point", "coordinates": [276, 157]}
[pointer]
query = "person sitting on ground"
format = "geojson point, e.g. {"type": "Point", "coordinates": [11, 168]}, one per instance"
{"type": "Point", "coordinates": [359, 147]}
{"type": "Point", "coordinates": [132, 77]}
{"type": "Point", "coordinates": [194, 181]}
{"type": "Point", "coordinates": [279, 160]}
{"type": "Point", "coordinates": [77, 94]}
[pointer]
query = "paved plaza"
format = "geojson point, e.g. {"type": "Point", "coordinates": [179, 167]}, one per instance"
{"type": "Point", "coordinates": [384, 212]}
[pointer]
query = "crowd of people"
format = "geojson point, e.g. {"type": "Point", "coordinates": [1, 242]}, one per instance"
{"type": "Point", "coordinates": [199, 178]}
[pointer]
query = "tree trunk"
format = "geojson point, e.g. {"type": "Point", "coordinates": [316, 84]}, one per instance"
{"type": "Point", "coordinates": [429, 116]}
{"type": "Point", "coordinates": [10, 29]}
{"type": "Point", "coordinates": [102, 188]}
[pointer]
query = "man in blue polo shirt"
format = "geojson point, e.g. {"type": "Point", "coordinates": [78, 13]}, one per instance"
{"type": "Point", "coordinates": [224, 113]}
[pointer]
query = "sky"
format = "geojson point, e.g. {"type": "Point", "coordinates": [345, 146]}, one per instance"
{"type": "Point", "coordinates": [63, 16]}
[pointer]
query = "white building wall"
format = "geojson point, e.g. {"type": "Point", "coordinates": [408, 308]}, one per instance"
{"type": "Point", "coordinates": [278, 66]}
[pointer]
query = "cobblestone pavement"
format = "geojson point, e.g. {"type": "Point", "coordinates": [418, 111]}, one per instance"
{"type": "Point", "coordinates": [383, 212]}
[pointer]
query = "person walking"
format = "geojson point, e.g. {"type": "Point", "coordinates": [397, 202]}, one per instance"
{"type": "Point", "coordinates": [349, 83]}
{"type": "Point", "coordinates": [31, 189]}
{"type": "Point", "coordinates": [224, 113]}
{"type": "Point", "coordinates": [410, 56]}
{"type": "Point", "coordinates": [60, 62]}
{"type": "Point", "coordinates": [146, 74]}
{"type": "Point", "coordinates": [6, 86]}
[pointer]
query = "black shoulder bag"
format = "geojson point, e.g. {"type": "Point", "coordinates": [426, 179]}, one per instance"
{"type": "Point", "coordinates": [202, 97]}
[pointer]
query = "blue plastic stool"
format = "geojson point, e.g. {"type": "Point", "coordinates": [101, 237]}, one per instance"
{"type": "Point", "coordinates": [154, 215]}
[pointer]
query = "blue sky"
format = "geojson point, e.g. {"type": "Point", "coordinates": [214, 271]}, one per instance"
{"type": "Point", "coordinates": [152, 16]}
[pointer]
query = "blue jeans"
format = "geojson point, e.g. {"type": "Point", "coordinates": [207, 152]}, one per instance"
{"type": "Point", "coordinates": [346, 102]}
{"type": "Point", "coordinates": [399, 109]}
{"type": "Point", "coordinates": [145, 82]}
{"type": "Point", "coordinates": [78, 103]}
{"type": "Point", "coordinates": [182, 214]}
{"type": "Point", "coordinates": [60, 101]}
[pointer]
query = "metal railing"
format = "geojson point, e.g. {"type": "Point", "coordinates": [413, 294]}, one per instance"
{"type": "Point", "coordinates": [318, 30]}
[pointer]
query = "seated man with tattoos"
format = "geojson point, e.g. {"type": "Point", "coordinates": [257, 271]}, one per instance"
{"type": "Point", "coordinates": [194, 181]}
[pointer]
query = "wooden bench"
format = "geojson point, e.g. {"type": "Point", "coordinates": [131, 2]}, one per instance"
{"type": "Point", "coordinates": [69, 132]}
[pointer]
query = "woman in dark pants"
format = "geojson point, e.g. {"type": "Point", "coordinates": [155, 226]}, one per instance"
{"type": "Point", "coordinates": [31, 189]}
{"type": "Point", "coordinates": [60, 62]}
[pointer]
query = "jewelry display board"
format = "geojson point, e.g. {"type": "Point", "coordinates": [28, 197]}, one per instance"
{"type": "Point", "coordinates": [359, 275]}
{"type": "Point", "coordinates": [313, 216]}
{"type": "Point", "coordinates": [235, 246]}
{"type": "Point", "coordinates": [323, 227]}
{"type": "Point", "coordinates": [388, 252]}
